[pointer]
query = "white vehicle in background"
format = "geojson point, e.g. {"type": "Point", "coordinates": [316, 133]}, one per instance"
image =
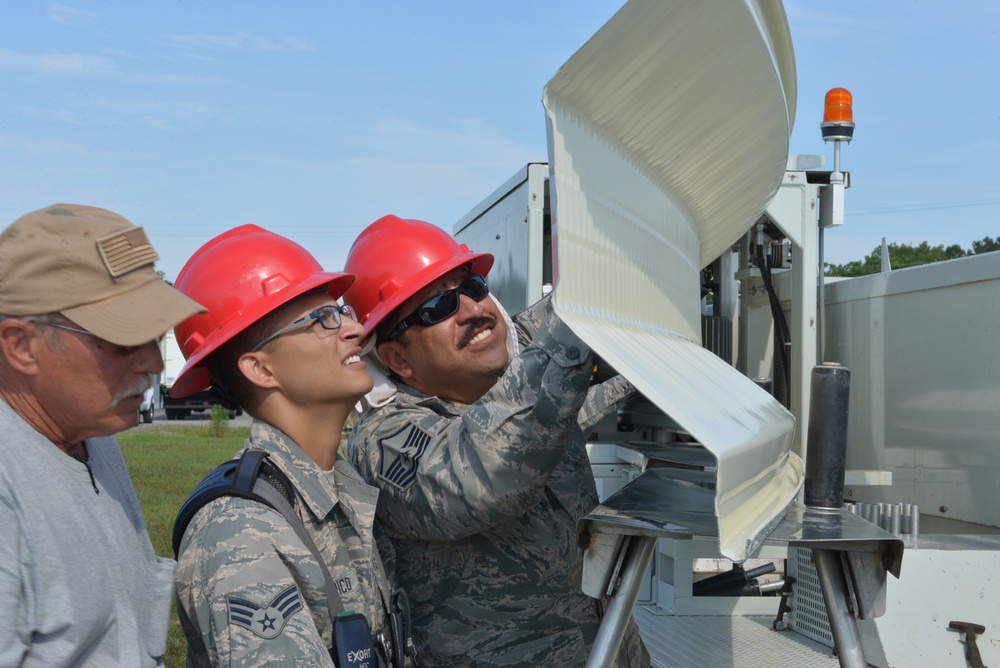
{"type": "Point", "coordinates": [180, 408]}
{"type": "Point", "coordinates": [146, 407]}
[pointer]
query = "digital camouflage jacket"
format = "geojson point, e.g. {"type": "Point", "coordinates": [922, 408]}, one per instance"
{"type": "Point", "coordinates": [481, 504]}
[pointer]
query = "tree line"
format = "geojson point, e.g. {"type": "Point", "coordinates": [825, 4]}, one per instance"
{"type": "Point", "coordinates": [905, 255]}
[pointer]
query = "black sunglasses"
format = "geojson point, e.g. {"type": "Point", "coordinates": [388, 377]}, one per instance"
{"type": "Point", "coordinates": [442, 305]}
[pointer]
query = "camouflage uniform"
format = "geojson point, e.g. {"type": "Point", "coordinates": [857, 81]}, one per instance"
{"type": "Point", "coordinates": [252, 590]}
{"type": "Point", "coordinates": [481, 504]}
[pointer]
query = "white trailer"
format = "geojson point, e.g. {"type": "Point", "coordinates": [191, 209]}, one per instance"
{"type": "Point", "coordinates": [651, 197]}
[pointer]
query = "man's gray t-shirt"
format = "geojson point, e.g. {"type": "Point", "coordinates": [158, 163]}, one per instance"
{"type": "Point", "coordinates": [80, 584]}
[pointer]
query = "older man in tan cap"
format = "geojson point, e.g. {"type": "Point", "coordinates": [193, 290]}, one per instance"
{"type": "Point", "coordinates": [81, 309]}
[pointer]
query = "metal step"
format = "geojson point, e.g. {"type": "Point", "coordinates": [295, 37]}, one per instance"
{"type": "Point", "coordinates": [688, 641]}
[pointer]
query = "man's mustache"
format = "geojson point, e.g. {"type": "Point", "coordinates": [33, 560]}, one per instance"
{"type": "Point", "coordinates": [141, 384]}
{"type": "Point", "coordinates": [473, 327]}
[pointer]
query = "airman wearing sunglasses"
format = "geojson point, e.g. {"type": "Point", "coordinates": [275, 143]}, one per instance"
{"type": "Point", "coordinates": [475, 439]}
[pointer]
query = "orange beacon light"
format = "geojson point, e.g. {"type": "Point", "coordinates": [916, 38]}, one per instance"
{"type": "Point", "coordinates": [838, 116]}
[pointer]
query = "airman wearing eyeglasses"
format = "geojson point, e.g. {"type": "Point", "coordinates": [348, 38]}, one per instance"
{"type": "Point", "coordinates": [475, 437]}
{"type": "Point", "coordinates": [82, 311]}
{"type": "Point", "coordinates": [256, 586]}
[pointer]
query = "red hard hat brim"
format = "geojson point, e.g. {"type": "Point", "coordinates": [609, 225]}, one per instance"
{"type": "Point", "coordinates": [194, 376]}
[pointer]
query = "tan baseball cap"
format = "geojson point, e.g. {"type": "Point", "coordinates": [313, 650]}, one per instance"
{"type": "Point", "coordinates": [92, 266]}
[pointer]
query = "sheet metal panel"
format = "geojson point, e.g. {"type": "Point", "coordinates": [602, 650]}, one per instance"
{"type": "Point", "coordinates": [662, 503]}
{"type": "Point", "coordinates": [922, 347]}
{"type": "Point", "coordinates": [668, 136]}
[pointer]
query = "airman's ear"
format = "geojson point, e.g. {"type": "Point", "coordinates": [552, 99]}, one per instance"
{"type": "Point", "coordinates": [256, 368]}
{"type": "Point", "coordinates": [394, 355]}
{"type": "Point", "coordinates": [19, 341]}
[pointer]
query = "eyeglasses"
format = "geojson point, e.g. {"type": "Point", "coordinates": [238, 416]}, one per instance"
{"type": "Point", "coordinates": [121, 350]}
{"type": "Point", "coordinates": [328, 317]}
{"type": "Point", "coordinates": [442, 305]}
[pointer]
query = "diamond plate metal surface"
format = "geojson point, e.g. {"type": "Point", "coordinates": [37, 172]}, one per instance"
{"type": "Point", "coordinates": [725, 642]}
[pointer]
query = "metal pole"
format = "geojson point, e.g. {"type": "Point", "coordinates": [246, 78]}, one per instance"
{"type": "Point", "coordinates": [833, 582]}
{"type": "Point", "coordinates": [622, 600]}
{"type": "Point", "coordinates": [821, 308]}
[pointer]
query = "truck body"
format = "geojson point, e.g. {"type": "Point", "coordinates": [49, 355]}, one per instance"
{"type": "Point", "coordinates": [178, 408]}
{"type": "Point", "coordinates": [683, 244]}
{"type": "Point", "coordinates": [922, 434]}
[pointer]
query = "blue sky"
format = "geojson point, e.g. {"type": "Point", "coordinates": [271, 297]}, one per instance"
{"type": "Point", "coordinates": [313, 118]}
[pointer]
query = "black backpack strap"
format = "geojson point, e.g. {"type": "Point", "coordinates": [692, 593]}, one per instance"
{"type": "Point", "coordinates": [215, 484]}
{"type": "Point", "coordinates": [248, 469]}
{"type": "Point", "coordinates": [237, 477]}
{"type": "Point", "coordinates": [253, 477]}
{"type": "Point", "coordinates": [264, 490]}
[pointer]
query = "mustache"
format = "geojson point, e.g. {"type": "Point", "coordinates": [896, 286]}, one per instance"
{"type": "Point", "coordinates": [472, 328]}
{"type": "Point", "coordinates": [141, 384]}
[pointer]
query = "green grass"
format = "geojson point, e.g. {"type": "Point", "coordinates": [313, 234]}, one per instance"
{"type": "Point", "coordinates": [166, 462]}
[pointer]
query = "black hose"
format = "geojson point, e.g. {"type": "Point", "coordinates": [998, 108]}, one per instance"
{"type": "Point", "coordinates": [781, 324]}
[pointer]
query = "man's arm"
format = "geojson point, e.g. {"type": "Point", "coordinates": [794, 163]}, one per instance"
{"type": "Point", "coordinates": [12, 612]}
{"type": "Point", "coordinates": [239, 581]}
{"type": "Point", "coordinates": [446, 475]}
{"type": "Point", "coordinates": [603, 398]}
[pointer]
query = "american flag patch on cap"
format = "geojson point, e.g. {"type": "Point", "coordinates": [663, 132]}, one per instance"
{"type": "Point", "coordinates": [126, 250]}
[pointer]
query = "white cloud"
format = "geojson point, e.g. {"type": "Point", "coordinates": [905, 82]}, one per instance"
{"type": "Point", "coordinates": [829, 23]}
{"type": "Point", "coordinates": [470, 142]}
{"type": "Point", "coordinates": [70, 16]}
{"type": "Point", "coordinates": [56, 64]}
{"type": "Point", "coordinates": [81, 65]}
{"type": "Point", "coordinates": [239, 40]}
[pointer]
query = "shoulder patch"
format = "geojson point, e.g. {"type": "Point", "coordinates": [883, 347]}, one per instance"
{"type": "Point", "coordinates": [400, 454]}
{"type": "Point", "coordinates": [266, 621]}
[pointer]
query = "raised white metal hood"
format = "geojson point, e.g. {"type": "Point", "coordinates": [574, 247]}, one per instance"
{"type": "Point", "coordinates": [668, 136]}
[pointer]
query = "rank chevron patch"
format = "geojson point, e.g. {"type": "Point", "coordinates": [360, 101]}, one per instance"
{"type": "Point", "coordinates": [265, 621]}
{"type": "Point", "coordinates": [401, 452]}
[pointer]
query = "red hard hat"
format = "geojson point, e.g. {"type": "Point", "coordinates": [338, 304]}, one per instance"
{"type": "Point", "coordinates": [240, 276]}
{"type": "Point", "coordinates": [393, 259]}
